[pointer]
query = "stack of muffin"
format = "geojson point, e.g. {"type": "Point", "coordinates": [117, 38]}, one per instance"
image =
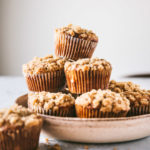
{"type": "Point", "coordinates": [69, 84]}
{"type": "Point", "coordinates": [89, 93]}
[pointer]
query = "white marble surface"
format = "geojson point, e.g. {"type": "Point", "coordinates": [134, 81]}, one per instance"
{"type": "Point", "coordinates": [12, 87]}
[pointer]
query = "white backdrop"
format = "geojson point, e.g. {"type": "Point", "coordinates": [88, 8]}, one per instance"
{"type": "Point", "coordinates": [123, 26]}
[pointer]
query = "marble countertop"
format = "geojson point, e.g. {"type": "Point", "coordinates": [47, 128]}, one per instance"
{"type": "Point", "coordinates": [13, 87]}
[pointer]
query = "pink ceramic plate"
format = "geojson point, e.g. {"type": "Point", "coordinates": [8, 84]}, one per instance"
{"type": "Point", "coordinates": [96, 130]}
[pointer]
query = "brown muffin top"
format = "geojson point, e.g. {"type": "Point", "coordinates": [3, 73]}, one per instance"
{"type": "Point", "coordinates": [78, 32]}
{"type": "Point", "coordinates": [131, 91]}
{"type": "Point", "coordinates": [87, 64]}
{"type": "Point", "coordinates": [105, 100]}
{"type": "Point", "coordinates": [43, 65]}
{"type": "Point", "coordinates": [123, 86]}
{"type": "Point", "coordinates": [18, 116]}
{"type": "Point", "coordinates": [49, 100]}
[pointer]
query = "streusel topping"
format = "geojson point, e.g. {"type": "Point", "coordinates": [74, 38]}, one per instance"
{"type": "Point", "coordinates": [77, 31]}
{"type": "Point", "coordinates": [131, 91]}
{"type": "Point", "coordinates": [18, 116]}
{"type": "Point", "coordinates": [43, 65]}
{"type": "Point", "coordinates": [106, 100]}
{"type": "Point", "coordinates": [138, 98]}
{"type": "Point", "coordinates": [49, 100]}
{"type": "Point", "coordinates": [88, 63]}
{"type": "Point", "coordinates": [123, 86]}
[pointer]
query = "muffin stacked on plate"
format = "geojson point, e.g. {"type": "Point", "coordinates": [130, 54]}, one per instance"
{"type": "Point", "coordinates": [139, 98]}
{"type": "Point", "coordinates": [86, 79]}
{"type": "Point", "coordinates": [74, 42]}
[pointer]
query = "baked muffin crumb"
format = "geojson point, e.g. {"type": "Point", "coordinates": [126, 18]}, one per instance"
{"type": "Point", "coordinates": [43, 65]}
{"type": "Point", "coordinates": [77, 31]}
{"type": "Point", "coordinates": [106, 100]}
{"type": "Point", "coordinates": [49, 100]}
{"type": "Point", "coordinates": [131, 91]}
{"type": "Point", "coordinates": [18, 116]}
{"type": "Point", "coordinates": [87, 64]}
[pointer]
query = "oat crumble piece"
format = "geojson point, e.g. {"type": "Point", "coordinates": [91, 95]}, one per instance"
{"type": "Point", "coordinates": [18, 116]}
{"type": "Point", "coordinates": [49, 100]}
{"type": "Point", "coordinates": [78, 32]}
{"type": "Point", "coordinates": [43, 65]}
{"type": "Point", "coordinates": [87, 64]}
{"type": "Point", "coordinates": [131, 91]}
{"type": "Point", "coordinates": [106, 100]}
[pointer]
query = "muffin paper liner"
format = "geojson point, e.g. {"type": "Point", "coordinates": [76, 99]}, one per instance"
{"type": "Point", "coordinates": [79, 81]}
{"type": "Point", "coordinates": [51, 81]}
{"type": "Point", "coordinates": [20, 138]}
{"type": "Point", "coordinates": [72, 47]}
{"type": "Point", "coordinates": [84, 112]}
{"type": "Point", "coordinates": [141, 110]}
{"type": "Point", "coordinates": [68, 111]}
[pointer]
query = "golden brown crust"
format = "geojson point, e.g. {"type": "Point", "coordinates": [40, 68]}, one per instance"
{"type": "Point", "coordinates": [43, 64]}
{"type": "Point", "coordinates": [105, 100]}
{"type": "Point", "coordinates": [47, 100]}
{"type": "Point", "coordinates": [18, 116]}
{"type": "Point", "coordinates": [78, 32]}
{"type": "Point", "coordinates": [88, 64]}
{"type": "Point", "coordinates": [119, 87]}
{"type": "Point", "coordinates": [131, 91]}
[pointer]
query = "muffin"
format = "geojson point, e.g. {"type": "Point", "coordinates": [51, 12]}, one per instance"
{"type": "Point", "coordinates": [139, 98]}
{"type": "Point", "coordinates": [54, 104]}
{"type": "Point", "coordinates": [86, 74]}
{"type": "Point", "coordinates": [45, 74]}
{"type": "Point", "coordinates": [74, 42]}
{"type": "Point", "coordinates": [19, 129]}
{"type": "Point", "coordinates": [101, 104]}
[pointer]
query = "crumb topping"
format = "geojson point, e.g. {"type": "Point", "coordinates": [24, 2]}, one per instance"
{"type": "Point", "coordinates": [106, 100]}
{"type": "Point", "coordinates": [141, 97]}
{"type": "Point", "coordinates": [78, 32]}
{"type": "Point", "coordinates": [88, 63]}
{"type": "Point", "coordinates": [131, 91]}
{"type": "Point", "coordinates": [43, 65]}
{"type": "Point", "coordinates": [49, 100]}
{"type": "Point", "coordinates": [123, 86]}
{"type": "Point", "coordinates": [18, 116]}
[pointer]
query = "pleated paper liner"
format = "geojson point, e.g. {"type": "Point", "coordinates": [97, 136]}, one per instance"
{"type": "Point", "coordinates": [50, 82]}
{"type": "Point", "coordinates": [141, 110]}
{"type": "Point", "coordinates": [68, 111]}
{"type": "Point", "coordinates": [83, 112]}
{"type": "Point", "coordinates": [72, 47]}
{"type": "Point", "coordinates": [20, 138]}
{"type": "Point", "coordinates": [79, 81]}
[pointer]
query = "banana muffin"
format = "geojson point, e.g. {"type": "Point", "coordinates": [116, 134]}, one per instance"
{"type": "Point", "coordinates": [45, 73]}
{"type": "Point", "coordinates": [74, 42]}
{"type": "Point", "coordinates": [19, 129]}
{"type": "Point", "coordinates": [139, 98]}
{"type": "Point", "coordinates": [86, 74]}
{"type": "Point", "coordinates": [54, 104]}
{"type": "Point", "coordinates": [101, 104]}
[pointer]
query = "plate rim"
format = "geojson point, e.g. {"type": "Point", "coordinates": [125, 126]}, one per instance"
{"type": "Point", "coordinates": [88, 119]}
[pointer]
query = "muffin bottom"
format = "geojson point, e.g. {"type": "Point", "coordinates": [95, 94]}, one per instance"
{"type": "Point", "coordinates": [85, 112]}
{"type": "Point", "coordinates": [20, 138]}
{"type": "Point", "coordinates": [72, 47]}
{"type": "Point", "coordinates": [50, 82]}
{"type": "Point", "coordinates": [84, 81]}
{"type": "Point", "coordinates": [141, 110]}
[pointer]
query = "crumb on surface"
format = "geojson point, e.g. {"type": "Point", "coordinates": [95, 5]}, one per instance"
{"type": "Point", "coordinates": [86, 147]}
{"type": "Point", "coordinates": [115, 148]}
